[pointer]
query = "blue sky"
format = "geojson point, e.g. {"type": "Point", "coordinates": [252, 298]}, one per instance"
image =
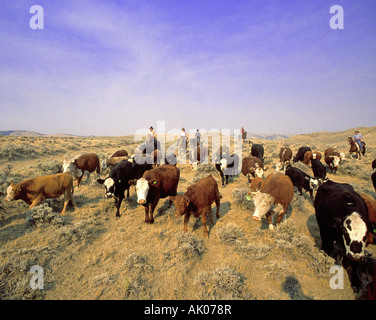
{"type": "Point", "coordinates": [113, 67]}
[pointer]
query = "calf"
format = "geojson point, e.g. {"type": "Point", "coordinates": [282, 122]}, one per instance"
{"type": "Point", "coordinates": [118, 180]}
{"type": "Point", "coordinates": [226, 166]}
{"type": "Point", "coordinates": [319, 170]}
{"type": "Point", "coordinates": [300, 154]}
{"type": "Point", "coordinates": [197, 200]}
{"type": "Point", "coordinates": [276, 190]}
{"type": "Point", "coordinates": [111, 162]}
{"type": "Point", "coordinates": [77, 166]}
{"type": "Point", "coordinates": [252, 166]}
{"type": "Point", "coordinates": [285, 155]}
{"type": "Point", "coordinates": [154, 184]}
{"type": "Point", "coordinates": [301, 180]}
{"type": "Point", "coordinates": [332, 159]}
{"type": "Point", "coordinates": [34, 191]}
{"type": "Point", "coordinates": [309, 155]}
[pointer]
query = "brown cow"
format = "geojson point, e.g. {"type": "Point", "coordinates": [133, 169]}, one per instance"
{"type": "Point", "coordinates": [332, 159]}
{"type": "Point", "coordinates": [34, 191]}
{"type": "Point", "coordinates": [371, 205]}
{"type": "Point", "coordinates": [154, 184]}
{"type": "Point", "coordinates": [252, 166]}
{"type": "Point", "coordinates": [117, 157]}
{"type": "Point", "coordinates": [285, 155]}
{"type": "Point", "coordinates": [77, 166]}
{"type": "Point", "coordinates": [277, 190]}
{"type": "Point", "coordinates": [197, 200]}
{"type": "Point", "coordinates": [309, 155]}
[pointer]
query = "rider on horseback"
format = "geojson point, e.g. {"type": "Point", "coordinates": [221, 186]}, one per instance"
{"type": "Point", "coordinates": [358, 139]}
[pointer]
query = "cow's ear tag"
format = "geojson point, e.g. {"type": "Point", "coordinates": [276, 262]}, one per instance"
{"type": "Point", "coordinates": [374, 230]}
{"type": "Point", "coordinates": [119, 180]}
{"type": "Point", "coordinates": [154, 182]}
{"type": "Point", "coordinates": [248, 197]}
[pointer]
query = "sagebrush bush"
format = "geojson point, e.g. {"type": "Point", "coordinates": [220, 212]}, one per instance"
{"type": "Point", "coordinates": [189, 245]}
{"type": "Point", "coordinates": [43, 214]}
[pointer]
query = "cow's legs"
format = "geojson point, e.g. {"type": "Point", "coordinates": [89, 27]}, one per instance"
{"type": "Point", "coordinates": [186, 219]}
{"type": "Point", "coordinates": [270, 220]}
{"type": "Point", "coordinates": [204, 214]}
{"type": "Point", "coordinates": [38, 200]}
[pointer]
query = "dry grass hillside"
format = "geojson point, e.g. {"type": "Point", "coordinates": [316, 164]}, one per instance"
{"type": "Point", "coordinates": [89, 254]}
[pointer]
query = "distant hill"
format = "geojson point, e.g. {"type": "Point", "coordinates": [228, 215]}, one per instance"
{"type": "Point", "coordinates": [18, 133]}
{"type": "Point", "coordinates": [268, 136]}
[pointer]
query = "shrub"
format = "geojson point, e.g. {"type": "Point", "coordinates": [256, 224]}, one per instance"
{"type": "Point", "coordinates": [189, 245]}
{"type": "Point", "coordinates": [43, 214]}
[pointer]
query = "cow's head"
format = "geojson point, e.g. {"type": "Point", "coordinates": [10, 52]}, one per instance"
{"type": "Point", "coordinates": [181, 205]}
{"type": "Point", "coordinates": [263, 203]}
{"type": "Point", "coordinates": [335, 160]}
{"type": "Point", "coordinates": [223, 163]}
{"type": "Point", "coordinates": [142, 188]}
{"type": "Point", "coordinates": [313, 183]}
{"type": "Point", "coordinates": [109, 185]}
{"type": "Point", "coordinates": [354, 232]}
{"type": "Point", "coordinates": [70, 166]}
{"type": "Point", "coordinates": [12, 191]}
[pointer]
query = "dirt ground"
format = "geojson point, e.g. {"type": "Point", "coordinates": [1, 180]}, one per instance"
{"type": "Point", "coordinates": [89, 254]}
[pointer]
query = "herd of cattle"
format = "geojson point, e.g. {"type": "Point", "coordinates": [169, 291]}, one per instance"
{"type": "Point", "coordinates": [346, 219]}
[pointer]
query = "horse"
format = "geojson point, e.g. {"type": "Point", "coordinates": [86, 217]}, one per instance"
{"type": "Point", "coordinates": [354, 147]}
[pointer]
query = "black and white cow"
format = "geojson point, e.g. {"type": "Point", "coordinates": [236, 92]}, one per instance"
{"type": "Point", "coordinates": [343, 219]}
{"type": "Point", "coordinates": [118, 180]}
{"type": "Point", "coordinates": [227, 166]}
{"type": "Point", "coordinates": [342, 216]}
{"type": "Point", "coordinates": [301, 180]}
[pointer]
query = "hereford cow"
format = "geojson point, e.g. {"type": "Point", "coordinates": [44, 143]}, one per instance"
{"type": "Point", "coordinates": [34, 191]}
{"type": "Point", "coordinates": [117, 157]}
{"type": "Point", "coordinates": [319, 170]}
{"type": "Point", "coordinates": [285, 155]}
{"type": "Point", "coordinates": [118, 180]}
{"type": "Point", "coordinates": [197, 200]}
{"type": "Point", "coordinates": [332, 159]}
{"type": "Point", "coordinates": [276, 193]}
{"type": "Point", "coordinates": [197, 155]}
{"type": "Point", "coordinates": [300, 154]}
{"type": "Point", "coordinates": [252, 166]}
{"type": "Point", "coordinates": [154, 184]}
{"type": "Point", "coordinates": [342, 216]}
{"type": "Point", "coordinates": [77, 166]}
{"type": "Point", "coordinates": [301, 180]}
{"type": "Point", "coordinates": [227, 166]}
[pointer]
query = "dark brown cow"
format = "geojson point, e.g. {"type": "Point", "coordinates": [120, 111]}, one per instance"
{"type": "Point", "coordinates": [77, 166]}
{"type": "Point", "coordinates": [277, 190]}
{"type": "Point", "coordinates": [34, 191]}
{"type": "Point", "coordinates": [154, 184]}
{"type": "Point", "coordinates": [117, 157]}
{"type": "Point", "coordinates": [332, 159]}
{"type": "Point", "coordinates": [197, 200]}
{"type": "Point", "coordinates": [252, 166]}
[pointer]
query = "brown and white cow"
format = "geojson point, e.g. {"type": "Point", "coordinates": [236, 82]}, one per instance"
{"type": "Point", "coordinates": [154, 184]}
{"type": "Point", "coordinates": [77, 166]}
{"type": "Point", "coordinates": [285, 155]}
{"type": "Point", "coordinates": [275, 194]}
{"type": "Point", "coordinates": [309, 155]}
{"type": "Point", "coordinates": [332, 159]}
{"type": "Point", "coordinates": [371, 206]}
{"type": "Point", "coordinates": [197, 201]}
{"type": "Point", "coordinates": [34, 191]}
{"type": "Point", "coordinates": [252, 166]}
{"type": "Point", "coordinates": [256, 184]}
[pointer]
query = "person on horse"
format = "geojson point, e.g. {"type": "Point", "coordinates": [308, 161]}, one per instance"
{"type": "Point", "coordinates": [358, 139]}
{"type": "Point", "coordinates": [183, 138]}
{"type": "Point", "coordinates": [198, 137]}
